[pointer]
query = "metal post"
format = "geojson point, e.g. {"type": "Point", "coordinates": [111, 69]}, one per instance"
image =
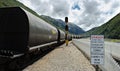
{"type": "Point", "coordinates": [97, 68]}
{"type": "Point", "coordinates": [66, 31]}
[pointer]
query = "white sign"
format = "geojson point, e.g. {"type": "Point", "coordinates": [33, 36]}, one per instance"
{"type": "Point", "coordinates": [97, 49]}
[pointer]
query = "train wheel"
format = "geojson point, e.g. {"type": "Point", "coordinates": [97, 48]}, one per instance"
{"type": "Point", "coordinates": [18, 63]}
{"type": "Point", "coordinates": [12, 66]}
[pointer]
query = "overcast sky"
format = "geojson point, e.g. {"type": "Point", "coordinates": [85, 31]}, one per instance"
{"type": "Point", "coordinates": [84, 13]}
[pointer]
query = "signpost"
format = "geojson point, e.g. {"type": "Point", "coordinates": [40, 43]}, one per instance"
{"type": "Point", "coordinates": [97, 50]}
{"type": "Point", "coordinates": [66, 31]}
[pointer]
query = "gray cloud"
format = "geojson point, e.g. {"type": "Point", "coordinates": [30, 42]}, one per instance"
{"type": "Point", "coordinates": [106, 1]}
{"type": "Point", "coordinates": [35, 2]}
{"type": "Point", "coordinates": [44, 8]}
{"type": "Point", "coordinates": [90, 6]}
{"type": "Point", "coordinates": [116, 4]}
{"type": "Point", "coordinates": [60, 7]}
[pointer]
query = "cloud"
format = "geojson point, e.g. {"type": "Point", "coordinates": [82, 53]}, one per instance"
{"type": "Point", "coordinates": [84, 13]}
{"type": "Point", "coordinates": [90, 6]}
{"type": "Point", "coordinates": [60, 7]}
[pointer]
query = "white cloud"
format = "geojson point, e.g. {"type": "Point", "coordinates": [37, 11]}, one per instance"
{"type": "Point", "coordinates": [92, 13]}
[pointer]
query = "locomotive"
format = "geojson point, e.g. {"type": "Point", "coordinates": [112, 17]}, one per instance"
{"type": "Point", "coordinates": [22, 32]}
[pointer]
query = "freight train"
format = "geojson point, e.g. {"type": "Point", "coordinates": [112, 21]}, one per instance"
{"type": "Point", "coordinates": [22, 32]}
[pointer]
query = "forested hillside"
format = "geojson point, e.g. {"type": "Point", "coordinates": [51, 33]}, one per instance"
{"type": "Point", "coordinates": [111, 29]}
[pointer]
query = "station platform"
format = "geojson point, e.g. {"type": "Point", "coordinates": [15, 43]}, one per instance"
{"type": "Point", "coordinates": [62, 58]}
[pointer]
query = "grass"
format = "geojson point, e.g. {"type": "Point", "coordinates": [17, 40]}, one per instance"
{"type": "Point", "coordinates": [113, 40]}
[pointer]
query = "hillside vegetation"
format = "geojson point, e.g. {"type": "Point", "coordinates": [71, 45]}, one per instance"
{"type": "Point", "coordinates": [111, 29]}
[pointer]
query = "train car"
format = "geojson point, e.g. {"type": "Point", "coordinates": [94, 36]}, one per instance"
{"type": "Point", "coordinates": [21, 32]}
{"type": "Point", "coordinates": [62, 36]}
{"type": "Point", "coordinates": [40, 33]}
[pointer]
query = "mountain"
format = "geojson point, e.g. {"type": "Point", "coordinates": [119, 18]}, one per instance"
{"type": "Point", "coordinates": [111, 29]}
{"type": "Point", "coordinates": [73, 29]}
{"type": "Point", "coordinates": [55, 22]}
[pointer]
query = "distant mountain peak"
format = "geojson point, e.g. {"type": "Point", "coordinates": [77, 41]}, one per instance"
{"type": "Point", "coordinates": [73, 29]}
